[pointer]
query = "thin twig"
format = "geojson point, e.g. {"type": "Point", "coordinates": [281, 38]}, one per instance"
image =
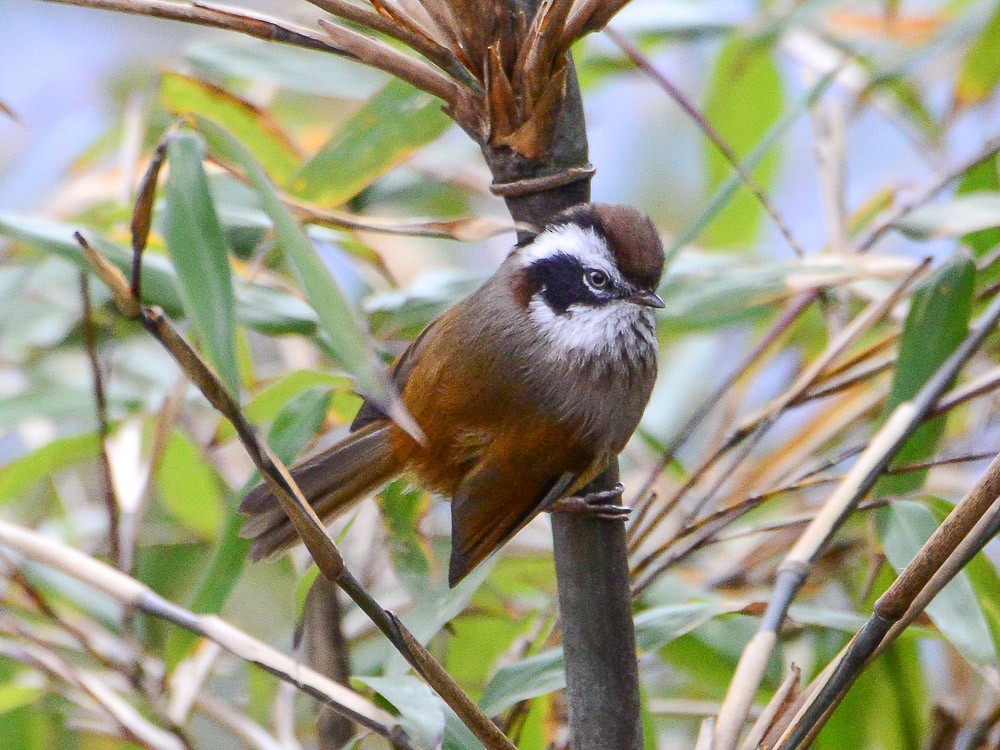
{"type": "Point", "coordinates": [409, 34]}
{"type": "Point", "coordinates": [338, 40]}
{"type": "Point", "coordinates": [259, 26]}
{"type": "Point", "coordinates": [135, 726]}
{"type": "Point", "coordinates": [793, 570]}
{"type": "Point", "coordinates": [378, 54]}
{"type": "Point", "coordinates": [111, 505]}
{"type": "Point", "coordinates": [753, 427]}
{"type": "Point", "coordinates": [903, 209]}
{"type": "Point", "coordinates": [309, 527]}
{"type": "Point", "coordinates": [132, 593]}
{"type": "Point", "coordinates": [473, 229]}
{"type": "Point", "coordinates": [646, 66]}
{"type": "Point", "coordinates": [791, 313]}
{"type": "Point", "coordinates": [969, 526]}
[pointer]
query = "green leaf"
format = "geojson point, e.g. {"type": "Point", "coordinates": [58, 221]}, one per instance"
{"type": "Point", "coordinates": [544, 673]}
{"type": "Point", "coordinates": [420, 712]}
{"type": "Point", "coordinates": [937, 322]}
{"type": "Point", "coordinates": [402, 508]}
{"type": "Point", "coordinates": [980, 71]}
{"type": "Point", "coordinates": [722, 196]}
{"type": "Point", "coordinates": [198, 248]}
{"type": "Point", "coordinates": [159, 280]}
{"type": "Point", "coordinates": [267, 404]}
{"type": "Point", "coordinates": [744, 103]}
{"type": "Point", "coordinates": [903, 527]}
{"type": "Point", "coordinates": [395, 123]}
{"type": "Point", "coordinates": [23, 473]}
{"type": "Point", "coordinates": [965, 214]}
{"type": "Point", "coordinates": [183, 95]}
{"type": "Point", "coordinates": [300, 70]}
{"type": "Point", "coordinates": [291, 432]}
{"type": "Point", "coordinates": [437, 606]}
{"type": "Point", "coordinates": [984, 176]}
{"type": "Point", "coordinates": [265, 308]}
{"type": "Point", "coordinates": [14, 696]}
{"type": "Point", "coordinates": [981, 572]}
{"type": "Point", "coordinates": [348, 339]}
{"type": "Point", "coordinates": [189, 488]}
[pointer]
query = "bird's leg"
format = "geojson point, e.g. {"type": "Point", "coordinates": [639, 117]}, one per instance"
{"type": "Point", "coordinates": [594, 504]}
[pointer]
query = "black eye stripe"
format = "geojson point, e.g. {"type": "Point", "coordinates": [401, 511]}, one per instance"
{"type": "Point", "coordinates": [560, 280]}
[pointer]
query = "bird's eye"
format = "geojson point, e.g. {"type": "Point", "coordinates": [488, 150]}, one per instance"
{"type": "Point", "coordinates": [597, 279]}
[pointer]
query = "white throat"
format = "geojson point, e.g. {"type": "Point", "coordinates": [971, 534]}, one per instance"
{"type": "Point", "coordinates": [619, 332]}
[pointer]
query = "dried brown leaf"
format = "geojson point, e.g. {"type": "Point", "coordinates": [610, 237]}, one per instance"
{"type": "Point", "coordinates": [533, 138]}
{"type": "Point", "coordinates": [499, 97]}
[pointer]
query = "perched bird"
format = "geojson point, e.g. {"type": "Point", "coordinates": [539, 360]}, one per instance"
{"type": "Point", "coordinates": [525, 390]}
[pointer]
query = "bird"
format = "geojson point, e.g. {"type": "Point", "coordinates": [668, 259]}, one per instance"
{"type": "Point", "coordinates": [525, 391]}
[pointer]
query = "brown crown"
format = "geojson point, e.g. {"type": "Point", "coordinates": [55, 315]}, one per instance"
{"type": "Point", "coordinates": [630, 235]}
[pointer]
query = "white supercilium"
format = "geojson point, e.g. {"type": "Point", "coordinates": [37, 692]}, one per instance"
{"type": "Point", "coordinates": [572, 239]}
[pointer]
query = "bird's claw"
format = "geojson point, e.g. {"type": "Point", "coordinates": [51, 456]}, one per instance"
{"type": "Point", "coordinates": [595, 505]}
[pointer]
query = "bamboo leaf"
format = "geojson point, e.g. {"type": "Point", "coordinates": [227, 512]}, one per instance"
{"type": "Point", "coordinates": [189, 489]}
{"type": "Point", "coordinates": [395, 123]}
{"type": "Point", "coordinates": [981, 572]}
{"type": "Point", "coordinates": [402, 509]}
{"type": "Point", "coordinates": [903, 527]}
{"type": "Point", "coordinates": [420, 711]}
{"type": "Point", "coordinates": [980, 71]}
{"type": "Point", "coordinates": [349, 341]}
{"type": "Point", "coordinates": [23, 473]}
{"type": "Point", "coordinates": [937, 322]}
{"type": "Point", "coordinates": [964, 214]}
{"type": "Point", "coordinates": [544, 673]}
{"type": "Point", "coordinates": [14, 696]}
{"type": "Point", "coordinates": [159, 279]}
{"type": "Point", "coordinates": [200, 254]}
{"type": "Point", "coordinates": [262, 307]}
{"type": "Point", "coordinates": [258, 131]}
{"type": "Point", "coordinates": [982, 177]}
{"type": "Point", "coordinates": [267, 404]}
{"type": "Point", "coordinates": [744, 103]}
{"type": "Point", "coordinates": [292, 69]}
{"type": "Point", "coordinates": [301, 418]}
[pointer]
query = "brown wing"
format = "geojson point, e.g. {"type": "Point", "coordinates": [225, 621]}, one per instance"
{"type": "Point", "coordinates": [500, 496]}
{"type": "Point", "coordinates": [480, 525]}
{"type": "Point", "coordinates": [399, 373]}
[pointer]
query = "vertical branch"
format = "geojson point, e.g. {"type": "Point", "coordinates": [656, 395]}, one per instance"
{"type": "Point", "coordinates": [602, 680]}
{"type": "Point", "coordinates": [324, 648]}
{"type": "Point", "coordinates": [103, 431]}
{"type": "Point", "coordinates": [602, 677]}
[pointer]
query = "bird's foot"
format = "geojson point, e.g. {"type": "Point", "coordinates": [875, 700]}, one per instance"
{"type": "Point", "coordinates": [594, 505]}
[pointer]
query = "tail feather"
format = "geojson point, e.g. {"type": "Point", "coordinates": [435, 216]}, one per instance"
{"type": "Point", "coordinates": [330, 481]}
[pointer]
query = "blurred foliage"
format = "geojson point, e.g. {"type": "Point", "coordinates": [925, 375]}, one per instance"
{"type": "Point", "coordinates": [295, 317]}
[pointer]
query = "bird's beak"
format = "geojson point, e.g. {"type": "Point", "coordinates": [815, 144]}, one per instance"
{"type": "Point", "coordinates": [646, 299]}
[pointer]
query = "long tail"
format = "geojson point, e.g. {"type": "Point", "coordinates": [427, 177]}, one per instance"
{"type": "Point", "coordinates": [331, 481]}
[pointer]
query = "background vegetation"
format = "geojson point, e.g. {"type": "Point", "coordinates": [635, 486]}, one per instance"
{"type": "Point", "coordinates": [796, 320]}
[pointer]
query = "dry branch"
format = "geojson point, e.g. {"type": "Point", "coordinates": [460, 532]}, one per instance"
{"type": "Point", "coordinates": [897, 429]}
{"type": "Point", "coordinates": [259, 26]}
{"type": "Point", "coordinates": [132, 593]}
{"type": "Point", "coordinates": [752, 428]}
{"type": "Point", "coordinates": [307, 524]}
{"type": "Point", "coordinates": [111, 505]}
{"type": "Point", "coordinates": [966, 530]}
